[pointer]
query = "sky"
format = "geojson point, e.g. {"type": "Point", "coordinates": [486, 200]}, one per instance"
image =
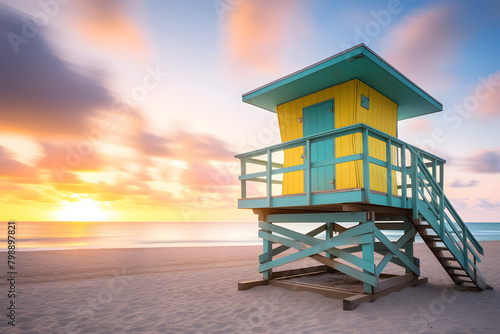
{"type": "Point", "coordinates": [131, 110]}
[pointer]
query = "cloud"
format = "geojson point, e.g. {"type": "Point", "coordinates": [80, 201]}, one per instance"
{"type": "Point", "coordinates": [424, 44]}
{"type": "Point", "coordinates": [203, 177]}
{"type": "Point", "coordinates": [485, 203]}
{"type": "Point", "coordinates": [484, 161]}
{"type": "Point", "coordinates": [108, 25]}
{"type": "Point", "coordinates": [75, 156]}
{"type": "Point", "coordinates": [40, 93]}
{"type": "Point", "coordinates": [257, 33]}
{"type": "Point", "coordinates": [463, 184]}
{"type": "Point", "coordinates": [417, 125]}
{"type": "Point", "coordinates": [151, 144]}
{"type": "Point", "coordinates": [487, 93]}
{"type": "Point", "coordinates": [15, 170]}
{"type": "Point", "coordinates": [199, 147]}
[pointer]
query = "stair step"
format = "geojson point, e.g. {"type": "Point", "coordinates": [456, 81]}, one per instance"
{"type": "Point", "coordinates": [460, 275]}
{"type": "Point", "coordinates": [439, 248]}
{"type": "Point", "coordinates": [455, 268]}
{"type": "Point", "coordinates": [463, 281]}
{"type": "Point", "coordinates": [445, 258]}
{"type": "Point", "coordinates": [431, 237]}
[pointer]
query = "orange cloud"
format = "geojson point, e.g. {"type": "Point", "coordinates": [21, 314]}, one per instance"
{"type": "Point", "coordinates": [75, 156]}
{"type": "Point", "coordinates": [15, 170]}
{"type": "Point", "coordinates": [424, 44]}
{"type": "Point", "coordinates": [258, 32]}
{"type": "Point", "coordinates": [108, 24]}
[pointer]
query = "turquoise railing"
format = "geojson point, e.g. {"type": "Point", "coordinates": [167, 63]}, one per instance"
{"type": "Point", "coordinates": [419, 182]}
{"type": "Point", "coordinates": [437, 210]}
{"type": "Point", "coordinates": [393, 146]}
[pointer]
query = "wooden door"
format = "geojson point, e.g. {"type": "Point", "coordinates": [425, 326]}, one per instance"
{"type": "Point", "coordinates": [316, 119]}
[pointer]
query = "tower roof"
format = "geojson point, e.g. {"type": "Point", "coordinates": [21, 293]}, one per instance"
{"type": "Point", "coordinates": [358, 62]}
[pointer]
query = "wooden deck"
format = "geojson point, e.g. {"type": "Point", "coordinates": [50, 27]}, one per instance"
{"type": "Point", "coordinates": [333, 199]}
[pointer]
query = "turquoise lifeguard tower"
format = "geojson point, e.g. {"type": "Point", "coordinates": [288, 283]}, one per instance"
{"type": "Point", "coordinates": [342, 167]}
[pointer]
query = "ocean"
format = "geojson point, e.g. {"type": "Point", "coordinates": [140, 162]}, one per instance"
{"type": "Point", "coordinates": [33, 236]}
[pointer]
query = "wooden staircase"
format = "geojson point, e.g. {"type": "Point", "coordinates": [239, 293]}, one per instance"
{"type": "Point", "coordinates": [442, 229]}
{"type": "Point", "coordinates": [449, 262]}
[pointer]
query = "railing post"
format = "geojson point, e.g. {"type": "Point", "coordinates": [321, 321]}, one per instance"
{"type": "Point", "coordinates": [366, 165]}
{"type": "Point", "coordinates": [404, 186]}
{"type": "Point", "coordinates": [307, 172]}
{"type": "Point", "coordinates": [269, 177]}
{"type": "Point", "coordinates": [243, 167]}
{"type": "Point", "coordinates": [441, 175]}
{"type": "Point", "coordinates": [441, 214]}
{"type": "Point", "coordinates": [414, 184]}
{"type": "Point", "coordinates": [388, 156]}
{"type": "Point", "coordinates": [465, 251]}
{"type": "Point", "coordinates": [432, 191]}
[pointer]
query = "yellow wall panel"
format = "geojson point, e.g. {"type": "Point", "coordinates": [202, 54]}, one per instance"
{"type": "Point", "coordinates": [381, 115]}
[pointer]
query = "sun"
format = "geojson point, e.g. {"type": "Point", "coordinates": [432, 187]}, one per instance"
{"type": "Point", "coordinates": [83, 210]}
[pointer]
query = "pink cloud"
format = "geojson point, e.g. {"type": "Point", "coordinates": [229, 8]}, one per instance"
{"type": "Point", "coordinates": [108, 25]}
{"type": "Point", "coordinates": [424, 44]}
{"type": "Point", "coordinates": [75, 156]}
{"type": "Point", "coordinates": [15, 170]}
{"type": "Point", "coordinates": [487, 93]}
{"type": "Point", "coordinates": [199, 148]}
{"type": "Point", "coordinates": [418, 125]}
{"type": "Point", "coordinates": [257, 33]}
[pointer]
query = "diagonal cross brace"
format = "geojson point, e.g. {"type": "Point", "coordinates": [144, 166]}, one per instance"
{"type": "Point", "coordinates": [278, 250]}
{"type": "Point", "coordinates": [337, 241]}
{"type": "Point", "coordinates": [353, 231]}
{"type": "Point", "coordinates": [391, 247]}
{"type": "Point", "coordinates": [389, 255]}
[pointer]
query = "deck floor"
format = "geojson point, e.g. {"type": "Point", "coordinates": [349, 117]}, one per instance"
{"type": "Point", "coordinates": [328, 200]}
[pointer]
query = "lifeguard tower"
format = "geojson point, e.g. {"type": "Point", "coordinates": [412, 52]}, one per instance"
{"type": "Point", "coordinates": [342, 167]}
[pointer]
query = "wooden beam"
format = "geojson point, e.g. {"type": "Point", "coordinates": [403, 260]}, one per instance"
{"type": "Point", "coordinates": [394, 250]}
{"type": "Point", "coordinates": [355, 217]}
{"type": "Point", "coordinates": [302, 271]}
{"type": "Point", "coordinates": [290, 243]}
{"type": "Point", "coordinates": [250, 284]}
{"type": "Point", "coordinates": [338, 228]}
{"type": "Point", "coordinates": [390, 226]}
{"type": "Point", "coordinates": [321, 247]}
{"type": "Point", "coordinates": [393, 281]}
{"type": "Point", "coordinates": [323, 290]}
{"type": "Point", "coordinates": [350, 303]}
{"type": "Point", "coordinates": [354, 273]}
{"type": "Point", "coordinates": [278, 250]}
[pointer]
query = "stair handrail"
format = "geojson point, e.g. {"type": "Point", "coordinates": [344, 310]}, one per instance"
{"type": "Point", "coordinates": [447, 203]}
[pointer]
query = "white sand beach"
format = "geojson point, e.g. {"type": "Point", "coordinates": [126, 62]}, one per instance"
{"type": "Point", "coordinates": [194, 290]}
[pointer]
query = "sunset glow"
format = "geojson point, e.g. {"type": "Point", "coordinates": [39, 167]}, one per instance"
{"type": "Point", "coordinates": [82, 210]}
{"type": "Point", "coordinates": [133, 111]}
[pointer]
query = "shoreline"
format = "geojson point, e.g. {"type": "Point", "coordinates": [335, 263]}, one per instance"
{"type": "Point", "coordinates": [417, 242]}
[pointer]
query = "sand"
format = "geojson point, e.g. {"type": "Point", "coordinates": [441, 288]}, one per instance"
{"type": "Point", "coordinates": [194, 290]}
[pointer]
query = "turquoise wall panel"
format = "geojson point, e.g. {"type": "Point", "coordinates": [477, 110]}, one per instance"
{"type": "Point", "coordinates": [320, 118]}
